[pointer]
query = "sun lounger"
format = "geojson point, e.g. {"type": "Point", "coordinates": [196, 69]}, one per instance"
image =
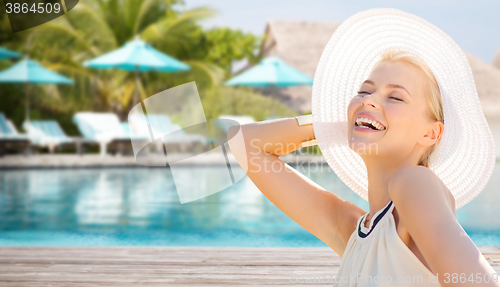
{"type": "Point", "coordinates": [125, 128]}
{"type": "Point", "coordinates": [46, 133]}
{"type": "Point", "coordinates": [138, 126]}
{"type": "Point", "coordinates": [9, 136]}
{"type": "Point", "coordinates": [104, 129]}
{"type": "Point", "coordinates": [188, 138]}
{"type": "Point", "coordinates": [161, 125]}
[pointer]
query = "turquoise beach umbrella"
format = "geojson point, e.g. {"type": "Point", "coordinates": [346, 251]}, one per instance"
{"type": "Point", "coordinates": [271, 72]}
{"type": "Point", "coordinates": [137, 56]}
{"type": "Point", "coordinates": [28, 71]}
{"type": "Point", "coordinates": [8, 54]}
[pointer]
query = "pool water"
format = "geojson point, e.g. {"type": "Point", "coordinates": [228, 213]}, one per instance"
{"type": "Point", "coordinates": [140, 206]}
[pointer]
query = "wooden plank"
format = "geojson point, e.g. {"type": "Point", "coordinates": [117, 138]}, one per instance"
{"type": "Point", "coordinates": [172, 266]}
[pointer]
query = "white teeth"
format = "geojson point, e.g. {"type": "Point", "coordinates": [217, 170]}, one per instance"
{"type": "Point", "coordinates": [359, 121]}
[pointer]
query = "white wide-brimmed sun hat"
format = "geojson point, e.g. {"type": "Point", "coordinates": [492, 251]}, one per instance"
{"type": "Point", "coordinates": [464, 158]}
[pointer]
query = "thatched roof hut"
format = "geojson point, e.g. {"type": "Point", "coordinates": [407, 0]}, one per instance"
{"type": "Point", "coordinates": [300, 44]}
{"type": "Point", "coordinates": [487, 78]}
{"type": "Point", "coordinates": [496, 60]}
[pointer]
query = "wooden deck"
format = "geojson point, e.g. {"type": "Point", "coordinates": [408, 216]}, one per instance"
{"type": "Point", "coordinates": [171, 266]}
{"type": "Point", "coordinates": [96, 160]}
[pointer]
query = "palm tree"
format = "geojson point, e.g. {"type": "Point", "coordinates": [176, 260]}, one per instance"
{"type": "Point", "coordinates": [95, 27]}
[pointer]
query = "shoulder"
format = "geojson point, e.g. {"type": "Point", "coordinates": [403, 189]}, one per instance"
{"type": "Point", "coordinates": [413, 174]}
{"type": "Point", "coordinates": [427, 214]}
{"type": "Point", "coordinates": [412, 178]}
{"type": "Point", "coordinates": [421, 188]}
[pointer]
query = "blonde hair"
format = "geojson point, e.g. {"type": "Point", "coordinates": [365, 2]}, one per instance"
{"type": "Point", "coordinates": [433, 95]}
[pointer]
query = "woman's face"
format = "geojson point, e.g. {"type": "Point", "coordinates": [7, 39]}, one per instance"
{"type": "Point", "coordinates": [389, 116]}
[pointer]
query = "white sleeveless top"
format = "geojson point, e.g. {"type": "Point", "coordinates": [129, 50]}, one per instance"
{"type": "Point", "coordinates": [376, 256]}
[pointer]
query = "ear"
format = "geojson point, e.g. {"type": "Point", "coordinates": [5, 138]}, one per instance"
{"type": "Point", "coordinates": [433, 134]}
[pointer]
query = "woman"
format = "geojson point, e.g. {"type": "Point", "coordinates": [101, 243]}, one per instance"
{"type": "Point", "coordinates": [395, 124]}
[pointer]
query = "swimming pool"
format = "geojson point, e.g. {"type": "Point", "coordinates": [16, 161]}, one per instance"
{"type": "Point", "coordinates": [140, 206]}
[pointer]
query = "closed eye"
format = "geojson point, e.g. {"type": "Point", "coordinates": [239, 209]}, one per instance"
{"type": "Point", "coordinates": [363, 92]}
{"type": "Point", "coordinates": [398, 99]}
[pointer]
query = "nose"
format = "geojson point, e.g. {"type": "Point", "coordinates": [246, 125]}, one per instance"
{"type": "Point", "coordinates": [369, 100]}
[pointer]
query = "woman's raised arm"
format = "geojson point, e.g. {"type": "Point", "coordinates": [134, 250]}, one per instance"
{"type": "Point", "coordinates": [257, 148]}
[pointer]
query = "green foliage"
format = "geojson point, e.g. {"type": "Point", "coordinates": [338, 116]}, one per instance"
{"type": "Point", "coordinates": [95, 27]}
{"type": "Point", "coordinates": [223, 45]}
{"type": "Point", "coordinates": [241, 100]}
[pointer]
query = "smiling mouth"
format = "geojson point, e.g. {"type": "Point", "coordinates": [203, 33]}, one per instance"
{"type": "Point", "coordinates": [369, 124]}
